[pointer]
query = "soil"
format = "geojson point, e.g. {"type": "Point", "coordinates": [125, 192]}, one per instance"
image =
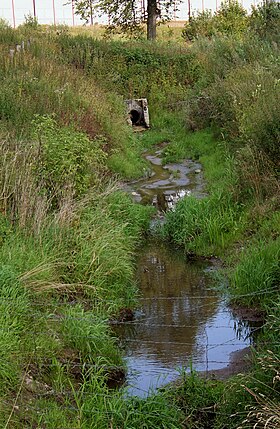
{"type": "Point", "coordinates": [248, 313]}
{"type": "Point", "coordinates": [240, 362]}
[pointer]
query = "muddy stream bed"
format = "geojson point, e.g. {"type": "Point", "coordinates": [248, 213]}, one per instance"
{"type": "Point", "coordinates": [182, 321]}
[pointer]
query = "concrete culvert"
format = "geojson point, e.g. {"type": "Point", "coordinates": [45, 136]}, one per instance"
{"type": "Point", "coordinates": [137, 113]}
{"type": "Point", "coordinates": [136, 116]}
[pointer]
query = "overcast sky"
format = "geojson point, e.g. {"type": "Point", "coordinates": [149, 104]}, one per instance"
{"type": "Point", "coordinates": [44, 10]}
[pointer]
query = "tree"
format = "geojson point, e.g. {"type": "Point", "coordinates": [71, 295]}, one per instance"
{"type": "Point", "coordinates": [85, 9]}
{"type": "Point", "coordinates": [129, 15]}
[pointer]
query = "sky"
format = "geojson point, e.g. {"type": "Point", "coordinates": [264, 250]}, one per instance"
{"type": "Point", "coordinates": [63, 12]}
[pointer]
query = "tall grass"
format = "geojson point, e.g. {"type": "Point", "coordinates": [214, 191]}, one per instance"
{"type": "Point", "coordinates": [255, 279]}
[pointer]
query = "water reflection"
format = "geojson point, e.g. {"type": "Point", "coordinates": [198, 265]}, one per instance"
{"type": "Point", "coordinates": [166, 184]}
{"type": "Point", "coordinates": [182, 320]}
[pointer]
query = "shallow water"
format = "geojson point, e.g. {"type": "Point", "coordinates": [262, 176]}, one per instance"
{"type": "Point", "coordinates": [166, 184]}
{"type": "Point", "coordinates": [182, 321]}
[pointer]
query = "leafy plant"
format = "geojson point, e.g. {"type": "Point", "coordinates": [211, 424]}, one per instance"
{"type": "Point", "coordinates": [265, 20]}
{"type": "Point", "coordinates": [68, 160]}
{"type": "Point", "coordinates": [231, 18]}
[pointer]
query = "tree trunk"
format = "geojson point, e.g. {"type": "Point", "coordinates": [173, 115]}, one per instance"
{"type": "Point", "coordinates": [91, 13]}
{"type": "Point", "coordinates": [152, 20]}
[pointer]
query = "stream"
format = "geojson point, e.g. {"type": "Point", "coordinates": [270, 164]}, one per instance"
{"type": "Point", "coordinates": [182, 321]}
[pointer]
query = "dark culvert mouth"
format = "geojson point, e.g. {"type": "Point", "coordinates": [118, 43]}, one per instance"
{"type": "Point", "coordinates": [135, 117]}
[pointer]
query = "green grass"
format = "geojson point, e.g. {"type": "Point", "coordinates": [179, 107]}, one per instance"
{"type": "Point", "coordinates": [255, 279]}
{"type": "Point", "coordinates": [205, 227]}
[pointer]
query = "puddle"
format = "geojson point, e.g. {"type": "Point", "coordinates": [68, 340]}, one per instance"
{"type": "Point", "coordinates": [166, 184]}
{"type": "Point", "coordinates": [181, 321]}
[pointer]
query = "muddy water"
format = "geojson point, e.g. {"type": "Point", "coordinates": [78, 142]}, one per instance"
{"type": "Point", "coordinates": [181, 321]}
{"type": "Point", "coordinates": [164, 185]}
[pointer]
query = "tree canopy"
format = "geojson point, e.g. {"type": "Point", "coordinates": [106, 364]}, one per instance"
{"type": "Point", "coordinates": [128, 15]}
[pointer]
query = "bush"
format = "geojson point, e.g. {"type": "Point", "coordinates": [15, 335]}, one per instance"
{"type": "Point", "coordinates": [4, 24]}
{"type": "Point", "coordinates": [69, 162]}
{"type": "Point", "coordinates": [200, 25]}
{"type": "Point", "coordinates": [265, 20]}
{"type": "Point", "coordinates": [230, 19]}
{"type": "Point", "coordinates": [237, 80]}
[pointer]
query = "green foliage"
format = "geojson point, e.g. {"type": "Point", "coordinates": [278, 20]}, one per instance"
{"type": "Point", "coordinates": [83, 253]}
{"type": "Point", "coordinates": [31, 22]}
{"type": "Point", "coordinates": [231, 18]}
{"type": "Point", "coordinates": [86, 10]}
{"type": "Point", "coordinates": [255, 279]}
{"type": "Point", "coordinates": [4, 24]}
{"type": "Point", "coordinates": [154, 412]}
{"type": "Point", "coordinates": [132, 69]}
{"type": "Point", "coordinates": [5, 229]}
{"type": "Point", "coordinates": [200, 25]}
{"type": "Point", "coordinates": [68, 160]}
{"type": "Point", "coordinates": [206, 226]}
{"type": "Point", "coordinates": [126, 16]}
{"type": "Point", "coordinates": [238, 77]}
{"type": "Point", "coordinates": [14, 318]}
{"type": "Point", "coordinates": [198, 398]}
{"type": "Point", "coordinates": [103, 248]}
{"type": "Point", "coordinates": [265, 20]}
{"type": "Point", "coordinates": [90, 336]}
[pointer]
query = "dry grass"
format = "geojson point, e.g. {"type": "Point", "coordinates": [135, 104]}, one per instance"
{"type": "Point", "coordinates": [265, 414]}
{"type": "Point", "coordinates": [170, 31]}
{"type": "Point", "coordinates": [21, 197]}
{"type": "Point", "coordinates": [256, 172]}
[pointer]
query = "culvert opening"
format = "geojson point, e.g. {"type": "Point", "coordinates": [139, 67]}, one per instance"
{"type": "Point", "coordinates": [135, 116]}
{"type": "Point", "coordinates": [138, 113]}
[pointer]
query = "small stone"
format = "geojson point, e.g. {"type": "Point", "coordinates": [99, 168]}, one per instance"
{"type": "Point", "coordinates": [197, 171]}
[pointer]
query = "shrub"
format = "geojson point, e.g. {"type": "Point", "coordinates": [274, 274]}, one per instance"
{"type": "Point", "coordinates": [231, 18]}
{"type": "Point", "coordinates": [200, 25]}
{"type": "Point", "coordinates": [4, 24]}
{"type": "Point", "coordinates": [237, 80]}
{"type": "Point", "coordinates": [265, 20]}
{"type": "Point", "coordinates": [69, 160]}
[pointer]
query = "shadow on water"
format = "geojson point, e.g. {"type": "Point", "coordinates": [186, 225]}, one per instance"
{"type": "Point", "coordinates": [181, 321]}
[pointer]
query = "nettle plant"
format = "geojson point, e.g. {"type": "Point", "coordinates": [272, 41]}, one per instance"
{"type": "Point", "coordinates": [68, 161]}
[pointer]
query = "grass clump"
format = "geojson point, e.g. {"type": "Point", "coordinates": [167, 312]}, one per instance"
{"type": "Point", "coordinates": [255, 278]}
{"type": "Point", "coordinates": [207, 226]}
{"type": "Point", "coordinates": [15, 308]}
